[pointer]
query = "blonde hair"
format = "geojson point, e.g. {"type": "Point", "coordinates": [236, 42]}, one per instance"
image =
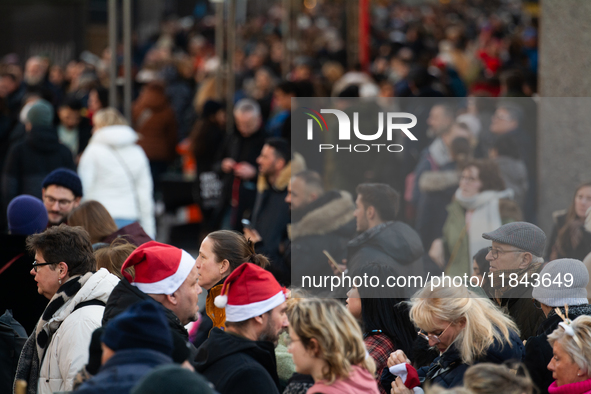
{"type": "Point", "coordinates": [113, 256]}
{"type": "Point", "coordinates": [339, 337]}
{"type": "Point", "coordinates": [578, 347]}
{"type": "Point", "coordinates": [108, 117]}
{"type": "Point", "coordinates": [485, 323]}
{"type": "Point", "coordinates": [488, 378]}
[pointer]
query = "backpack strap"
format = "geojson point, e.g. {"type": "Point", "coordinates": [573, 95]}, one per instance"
{"type": "Point", "coordinates": [88, 303]}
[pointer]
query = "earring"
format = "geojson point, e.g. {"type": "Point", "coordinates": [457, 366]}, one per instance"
{"type": "Point", "coordinates": [59, 281]}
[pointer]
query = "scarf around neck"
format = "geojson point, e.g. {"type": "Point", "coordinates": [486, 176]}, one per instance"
{"type": "Point", "coordinates": [60, 306]}
{"type": "Point", "coordinates": [485, 217]}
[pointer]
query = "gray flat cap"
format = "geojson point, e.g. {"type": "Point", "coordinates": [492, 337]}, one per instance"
{"type": "Point", "coordinates": [522, 235]}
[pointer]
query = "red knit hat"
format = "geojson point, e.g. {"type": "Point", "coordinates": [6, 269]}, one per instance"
{"type": "Point", "coordinates": [159, 268]}
{"type": "Point", "coordinates": [253, 291]}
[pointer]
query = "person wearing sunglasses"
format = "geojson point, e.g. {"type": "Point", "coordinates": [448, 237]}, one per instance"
{"type": "Point", "coordinates": [538, 352]}
{"type": "Point", "coordinates": [465, 328]}
{"type": "Point", "coordinates": [64, 271]}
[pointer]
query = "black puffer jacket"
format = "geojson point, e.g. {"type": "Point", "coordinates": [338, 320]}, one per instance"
{"type": "Point", "coordinates": [30, 161]}
{"type": "Point", "coordinates": [125, 295]}
{"type": "Point", "coordinates": [538, 351]}
{"type": "Point", "coordinates": [236, 365]}
{"type": "Point", "coordinates": [393, 243]}
{"type": "Point", "coordinates": [325, 224]}
{"type": "Point", "coordinates": [448, 370]}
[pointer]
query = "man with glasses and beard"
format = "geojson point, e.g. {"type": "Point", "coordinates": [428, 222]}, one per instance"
{"type": "Point", "coordinates": [62, 192]}
{"type": "Point", "coordinates": [242, 358]}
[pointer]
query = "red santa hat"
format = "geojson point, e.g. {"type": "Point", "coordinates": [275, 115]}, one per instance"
{"type": "Point", "coordinates": [249, 291]}
{"type": "Point", "coordinates": [159, 268]}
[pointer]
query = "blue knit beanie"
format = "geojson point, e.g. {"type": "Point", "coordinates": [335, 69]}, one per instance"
{"type": "Point", "coordinates": [41, 114]}
{"type": "Point", "coordinates": [26, 215]}
{"type": "Point", "coordinates": [141, 326]}
{"type": "Point", "coordinates": [66, 178]}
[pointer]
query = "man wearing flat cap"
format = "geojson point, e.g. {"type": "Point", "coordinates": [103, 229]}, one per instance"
{"type": "Point", "coordinates": [515, 259]}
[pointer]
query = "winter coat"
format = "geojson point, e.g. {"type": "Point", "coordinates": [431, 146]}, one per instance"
{"type": "Point", "coordinates": [514, 173]}
{"type": "Point", "coordinates": [125, 295]}
{"type": "Point", "coordinates": [516, 302]}
{"type": "Point", "coordinates": [324, 224]}
{"type": "Point", "coordinates": [448, 370]}
{"type": "Point", "coordinates": [359, 381]}
{"type": "Point", "coordinates": [393, 243]}
{"type": "Point", "coordinates": [270, 217]}
{"type": "Point", "coordinates": [437, 191]}
{"type": "Point", "coordinates": [67, 351]}
{"type": "Point", "coordinates": [133, 233]}
{"type": "Point", "coordinates": [122, 371]}
{"type": "Point", "coordinates": [18, 290]}
{"type": "Point", "coordinates": [455, 238]}
{"type": "Point", "coordinates": [155, 120]}
{"type": "Point", "coordinates": [30, 161]}
{"type": "Point", "coordinates": [380, 346]}
{"type": "Point", "coordinates": [236, 365]}
{"type": "Point", "coordinates": [115, 171]}
{"type": "Point", "coordinates": [538, 351]}
{"type": "Point", "coordinates": [243, 192]}
{"type": "Point", "coordinates": [583, 248]}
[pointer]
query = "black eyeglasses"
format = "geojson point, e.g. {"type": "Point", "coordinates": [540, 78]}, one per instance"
{"type": "Point", "coordinates": [495, 252]}
{"type": "Point", "coordinates": [36, 264]}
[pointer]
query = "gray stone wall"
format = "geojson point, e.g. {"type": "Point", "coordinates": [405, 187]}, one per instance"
{"type": "Point", "coordinates": [564, 117]}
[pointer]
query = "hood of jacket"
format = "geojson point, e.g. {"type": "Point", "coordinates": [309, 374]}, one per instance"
{"type": "Point", "coordinates": [280, 183]}
{"type": "Point", "coordinates": [115, 136]}
{"type": "Point", "coordinates": [222, 344]}
{"type": "Point", "coordinates": [436, 181]}
{"type": "Point", "coordinates": [43, 139]}
{"type": "Point", "coordinates": [328, 213]}
{"type": "Point", "coordinates": [98, 287]}
{"type": "Point", "coordinates": [395, 239]}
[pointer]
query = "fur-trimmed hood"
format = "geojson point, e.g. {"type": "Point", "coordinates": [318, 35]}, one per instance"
{"type": "Point", "coordinates": [297, 164]}
{"type": "Point", "coordinates": [333, 214]}
{"type": "Point", "coordinates": [435, 181]}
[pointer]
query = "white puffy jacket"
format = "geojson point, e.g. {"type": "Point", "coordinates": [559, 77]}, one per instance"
{"type": "Point", "coordinates": [115, 172]}
{"type": "Point", "coordinates": [67, 352]}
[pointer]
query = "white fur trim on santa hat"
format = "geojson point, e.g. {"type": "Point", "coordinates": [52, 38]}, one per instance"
{"type": "Point", "coordinates": [238, 313]}
{"type": "Point", "coordinates": [172, 283]}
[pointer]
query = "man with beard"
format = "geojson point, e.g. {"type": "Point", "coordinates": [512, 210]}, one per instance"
{"type": "Point", "coordinates": [320, 221]}
{"type": "Point", "coordinates": [167, 275]}
{"type": "Point", "coordinates": [270, 215]}
{"type": "Point", "coordinates": [242, 359]}
{"type": "Point", "coordinates": [62, 192]}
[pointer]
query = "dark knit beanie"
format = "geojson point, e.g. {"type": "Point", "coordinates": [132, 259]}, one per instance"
{"type": "Point", "coordinates": [66, 178]}
{"type": "Point", "coordinates": [141, 326]}
{"type": "Point", "coordinates": [40, 114]}
{"type": "Point", "coordinates": [172, 378]}
{"type": "Point", "coordinates": [26, 215]}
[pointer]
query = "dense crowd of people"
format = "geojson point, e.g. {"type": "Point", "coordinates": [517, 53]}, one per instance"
{"type": "Point", "coordinates": [94, 304]}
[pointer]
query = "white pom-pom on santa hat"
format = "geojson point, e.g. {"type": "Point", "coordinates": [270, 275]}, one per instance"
{"type": "Point", "coordinates": [221, 301]}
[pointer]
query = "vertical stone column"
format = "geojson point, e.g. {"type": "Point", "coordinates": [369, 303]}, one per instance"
{"type": "Point", "coordinates": [564, 116]}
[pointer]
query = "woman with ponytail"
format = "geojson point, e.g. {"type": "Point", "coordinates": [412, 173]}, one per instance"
{"type": "Point", "coordinates": [221, 252]}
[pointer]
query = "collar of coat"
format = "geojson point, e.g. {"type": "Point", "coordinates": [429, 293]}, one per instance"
{"type": "Point", "coordinates": [280, 183]}
{"type": "Point", "coordinates": [297, 164]}
{"type": "Point", "coordinates": [326, 218]}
